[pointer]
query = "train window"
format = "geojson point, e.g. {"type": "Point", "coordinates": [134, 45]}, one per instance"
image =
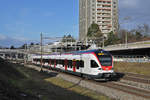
{"type": "Point", "coordinates": [66, 62]}
{"type": "Point", "coordinates": [60, 61]}
{"type": "Point", "coordinates": [78, 64]}
{"type": "Point", "coordinates": [70, 63]}
{"type": "Point", "coordinates": [82, 63]}
{"type": "Point", "coordinates": [34, 59]}
{"type": "Point", "coordinates": [63, 62]}
{"type": "Point", "coordinates": [105, 60]}
{"type": "Point", "coordinates": [74, 63]}
{"type": "Point", "coordinates": [38, 60]}
{"type": "Point", "coordinates": [46, 60]}
{"type": "Point", "coordinates": [43, 60]}
{"type": "Point", "coordinates": [56, 61]}
{"type": "Point", "coordinates": [94, 64]}
{"type": "Point", "coordinates": [52, 61]}
{"type": "Point", "coordinates": [49, 61]}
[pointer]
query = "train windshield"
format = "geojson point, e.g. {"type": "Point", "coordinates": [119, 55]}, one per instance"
{"type": "Point", "coordinates": [105, 58]}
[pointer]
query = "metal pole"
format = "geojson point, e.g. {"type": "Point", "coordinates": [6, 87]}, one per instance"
{"type": "Point", "coordinates": [126, 42]}
{"type": "Point", "coordinates": [103, 42]}
{"type": "Point", "coordinates": [41, 52]}
{"type": "Point", "coordinates": [25, 54]}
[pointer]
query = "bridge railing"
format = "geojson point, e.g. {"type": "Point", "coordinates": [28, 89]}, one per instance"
{"type": "Point", "coordinates": [141, 44]}
{"type": "Point", "coordinates": [124, 58]}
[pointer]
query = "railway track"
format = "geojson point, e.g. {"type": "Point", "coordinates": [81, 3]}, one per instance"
{"type": "Point", "coordinates": [115, 89]}
{"type": "Point", "coordinates": [136, 80]}
{"type": "Point", "coordinates": [123, 87]}
{"type": "Point", "coordinates": [136, 77]}
{"type": "Point", "coordinates": [128, 89]}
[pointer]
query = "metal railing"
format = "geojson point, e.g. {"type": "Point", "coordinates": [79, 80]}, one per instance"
{"type": "Point", "coordinates": [142, 44]}
{"type": "Point", "coordinates": [133, 58]}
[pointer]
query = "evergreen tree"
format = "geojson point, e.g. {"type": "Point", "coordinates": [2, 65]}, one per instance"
{"type": "Point", "coordinates": [94, 31]}
{"type": "Point", "coordinates": [68, 38]}
{"type": "Point", "coordinates": [112, 39]}
{"type": "Point", "coordinates": [31, 43]}
{"type": "Point", "coordinates": [12, 47]}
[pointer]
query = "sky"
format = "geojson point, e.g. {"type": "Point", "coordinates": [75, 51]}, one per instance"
{"type": "Point", "coordinates": [137, 12]}
{"type": "Point", "coordinates": [23, 20]}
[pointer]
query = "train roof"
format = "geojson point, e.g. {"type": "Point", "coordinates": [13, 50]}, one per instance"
{"type": "Point", "coordinates": [86, 51]}
{"type": "Point", "coordinates": [78, 52]}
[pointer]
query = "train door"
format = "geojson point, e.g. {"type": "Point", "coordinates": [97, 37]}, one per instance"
{"type": "Point", "coordinates": [50, 63]}
{"type": "Point", "coordinates": [74, 65]}
{"type": "Point", "coordinates": [55, 63]}
{"type": "Point", "coordinates": [66, 64]}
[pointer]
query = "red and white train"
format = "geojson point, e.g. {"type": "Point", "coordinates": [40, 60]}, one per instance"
{"type": "Point", "coordinates": [91, 63]}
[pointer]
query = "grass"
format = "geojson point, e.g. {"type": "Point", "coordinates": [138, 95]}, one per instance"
{"type": "Point", "coordinates": [139, 68]}
{"type": "Point", "coordinates": [75, 88]}
{"type": "Point", "coordinates": [9, 79]}
{"type": "Point", "coordinates": [20, 83]}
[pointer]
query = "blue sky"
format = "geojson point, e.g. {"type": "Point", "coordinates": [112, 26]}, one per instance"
{"type": "Point", "coordinates": [137, 10]}
{"type": "Point", "coordinates": [23, 20]}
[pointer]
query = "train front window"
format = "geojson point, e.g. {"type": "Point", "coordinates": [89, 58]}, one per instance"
{"type": "Point", "coordinates": [105, 60]}
{"type": "Point", "coordinates": [104, 57]}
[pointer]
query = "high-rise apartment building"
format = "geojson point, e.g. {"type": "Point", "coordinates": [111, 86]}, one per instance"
{"type": "Point", "coordinates": [102, 12]}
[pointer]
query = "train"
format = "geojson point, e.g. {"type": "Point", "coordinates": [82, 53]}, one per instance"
{"type": "Point", "coordinates": [93, 64]}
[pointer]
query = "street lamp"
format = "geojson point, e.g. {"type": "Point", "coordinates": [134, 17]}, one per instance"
{"type": "Point", "coordinates": [41, 52]}
{"type": "Point", "coordinates": [126, 35]}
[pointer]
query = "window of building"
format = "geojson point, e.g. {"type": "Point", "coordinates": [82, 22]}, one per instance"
{"type": "Point", "coordinates": [99, 1]}
{"type": "Point", "coordinates": [108, 2]}
{"type": "Point", "coordinates": [98, 4]}
{"type": "Point", "coordinates": [93, 13]}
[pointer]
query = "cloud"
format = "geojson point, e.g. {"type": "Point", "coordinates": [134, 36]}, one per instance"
{"type": "Point", "coordinates": [22, 39]}
{"type": "Point", "coordinates": [2, 37]}
{"type": "Point", "coordinates": [7, 41]}
{"type": "Point", "coordinates": [137, 10]}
